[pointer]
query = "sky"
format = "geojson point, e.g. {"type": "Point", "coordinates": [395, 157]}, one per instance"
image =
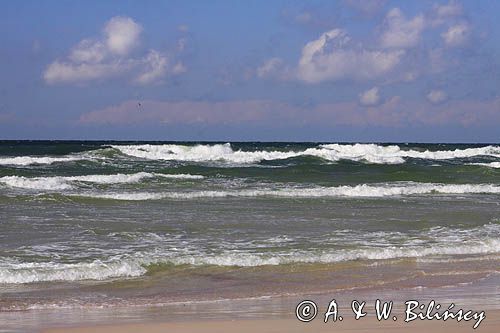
{"type": "Point", "coordinates": [347, 70]}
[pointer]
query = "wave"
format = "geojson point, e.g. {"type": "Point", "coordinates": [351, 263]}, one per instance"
{"type": "Point", "coordinates": [374, 152]}
{"type": "Point", "coordinates": [96, 270]}
{"type": "Point", "coordinates": [495, 165]}
{"type": "Point", "coordinates": [139, 264]}
{"type": "Point", "coordinates": [32, 160]}
{"type": "Point", "coordinates": [64, 183]}
{"type": "Point", "coordinates": [39, 183]}
{"type": "Point", "coordinates": [370, 153]}
{"type": "Point", "coordinates": [180, 176]}
{"type": "Point", "coordinates": [490, 245]}
{"type": "Point", "coordinates": [363, 190]}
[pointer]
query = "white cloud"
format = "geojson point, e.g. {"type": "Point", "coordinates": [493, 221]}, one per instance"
{"type": "Point", "coordinates": [71, 72]}
{"type": "Point", "coordinates": [88, 51]}
{"type": "Point", "coordinates": [122, 34]}
{"type": "Point", "coordinates": [370, 97]}
{"type": "Point", "coordinates": [451, 9]}
{"type": "Point", "coordinates": [444, 14]}
{"type": "Point", "coordinates": [456, 35]}
{"type": "Point", "coordinates": [269, 67]}
{"type": "Point", "coordinates": [108, 56]}
{"type": "Point", "coordinates": [401, 32]}
{"type": "Point", "coordinates": [437, 96]}
{"type": "Point", "coordinates": [330, 58]}
{"type": "Point", "coordinates": [155, 67]}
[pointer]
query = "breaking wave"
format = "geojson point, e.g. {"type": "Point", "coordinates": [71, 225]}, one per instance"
{"type": "Point", "coordinates": [15, 272]}
{"type": "Point", "coordinates": [370, 153]}
{"type": "Point", "coordinates": [32, 160]}
{"type": "Point", "coordinates": [137, 265]}
{"type": "Point", "coordinates": [363, 190]}
{"type": "Point", "coordinates": [64, 183]}
{"type": "Point", "coordinates": [495, 165]}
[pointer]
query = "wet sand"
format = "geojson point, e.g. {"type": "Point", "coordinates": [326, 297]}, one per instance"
{"type": "Point", "coordinates": [490, 324]}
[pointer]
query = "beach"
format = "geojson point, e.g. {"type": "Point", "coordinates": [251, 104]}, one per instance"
{"type": "Point", "coordinates": [284, 326]}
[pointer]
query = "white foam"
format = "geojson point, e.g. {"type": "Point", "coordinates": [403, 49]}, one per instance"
{"type": "Point", "coordinates": [363, 190]}
{"type": "Point", "coordinates": [40, 183]}
{"type": "Point", "coordinates": [201, 153]}
{"type": "Point", "coordinates": [495, 165]}
{"type": "Point", "coordinates": [111, 179]}
{"type": "Point", "coordinates": [371, 153]}
{"type": "Point", "coordinates": [437, 243]}
{"type": "Point", "coordinates": [180, 176]}
{"type": "Point", "coordinates": [375, 151]}
{"type": "Point", "coordinates": [134, 265]}
{"type": "Point", "coordinates": [51, 271]}
{"type": "Point", "coordinates": [232, 258]}
{"type": "Point", "coordinates": [64, 183]}
{"type": "Point", "coordinates": [31, 160]}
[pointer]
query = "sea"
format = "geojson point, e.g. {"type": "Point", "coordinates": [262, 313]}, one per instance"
{"type": "Point", "coordinates": [93, 224]}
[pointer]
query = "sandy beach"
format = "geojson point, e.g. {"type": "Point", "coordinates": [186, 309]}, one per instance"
{"type": "Point", "coordinates": [291, 325]}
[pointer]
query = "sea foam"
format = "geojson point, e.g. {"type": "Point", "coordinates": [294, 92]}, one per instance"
{"type": "Point", "coordinates": [64, 183]}
{"type": "Point", "coordinates": [370, 153]}
{"type": "Point", "coordinates": [364, 190]}
{"type": "Point", "coordinates": [134, 265]}
{"type": "Point", "coordinates": [32, 160]}
{"type": "Point", "coordinates": [495, 165]}
{"type": "Point", "coordinates": [52, 271]}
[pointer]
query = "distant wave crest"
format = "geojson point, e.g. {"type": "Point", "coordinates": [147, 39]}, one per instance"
{"type": "Point", "coordinates": [370, 153]}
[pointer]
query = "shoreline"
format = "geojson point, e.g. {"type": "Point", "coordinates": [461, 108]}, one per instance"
{"type": "Point", "coordinates": [273, 314]}
{"type": "Point", "coordinates": [288, 325]}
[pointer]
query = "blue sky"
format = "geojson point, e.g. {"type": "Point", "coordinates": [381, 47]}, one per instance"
{"type": "Point", "coordinates": [350, 70]}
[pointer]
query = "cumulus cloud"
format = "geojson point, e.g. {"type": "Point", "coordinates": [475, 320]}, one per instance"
{"type": "Point", "coordinates": [122, 34]}
{"type": "Point", "coordinates": [456, 35]}
{"type": "Point", "coordinates": [331, 57]}
{"type": "Point", "coordinates": [437, 96]}
{"type": "Point", "coordinates": [88, 51]}
{"type": "Point", "coordinates": [401, 32]}
{"type": "Point", "coordinates": [370, 97]}
{"type": "Point", "coordinates": [109, 56]}
{"type": "Point", "coordinates": [396, 54]}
